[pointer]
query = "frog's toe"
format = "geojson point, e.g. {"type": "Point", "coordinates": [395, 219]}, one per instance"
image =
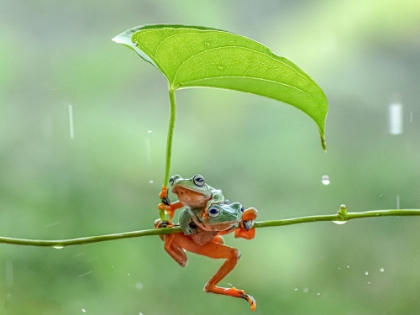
{"type": "Point", "coordinates": [163, 224]}
{"type": "Point", "coordinates": [248, 224]}
{"type": "Point", "coordinates": [251, 300]}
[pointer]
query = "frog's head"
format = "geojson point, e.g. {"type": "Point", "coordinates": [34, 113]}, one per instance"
{"type": "Point", "coordinates": [192, 192]}
{"type": "Point", "coordinates": [224, 214]}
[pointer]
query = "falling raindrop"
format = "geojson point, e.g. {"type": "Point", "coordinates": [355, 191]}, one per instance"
{"type": "Point", "coordinates": [318, 294]}
{"type": "Point", "coordinates": [366, 273]}
{"type": "Point", "coordinates": [83, 310]}
{"type": "Point", "coordinates": [395, 119]}
{"type": "Point", "coordinates": [149, 131]}
{"type": "Point", "coordinates": [9, 273]}
{"type": "Point", "coordinates": [139, 285]}
{"type": "Point", "coordinates": [382, 270]}
{"type": "Point", "coordinates": [85, 274]}
{"type": "Point", "coordinates": [369, 282]}
{"type": "Point", "coordinates": [325, 180]}
{"type": "Point", "coordinates": [348, 266]}
{"type": "Point", "coordinates": [296, 289]}
{"type": "Point", "coordinates": [151, 181]}
{"type": "Point", "coordinates": [71, 121]}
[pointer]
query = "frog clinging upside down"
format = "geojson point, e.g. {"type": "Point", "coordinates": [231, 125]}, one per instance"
{"type": "Point", "coordinates": [205, 218]}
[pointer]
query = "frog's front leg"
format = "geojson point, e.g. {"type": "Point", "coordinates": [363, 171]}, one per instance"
{"type": "Point", "coordinates": [216, 250]}
{"type": "Point", "coordinates": [246, 226]}
{"type": "Point", "coordinates": [166, 204]}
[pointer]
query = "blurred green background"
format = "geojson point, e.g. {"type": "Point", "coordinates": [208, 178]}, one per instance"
{"type": "Point", "coordinates": [364, 54]}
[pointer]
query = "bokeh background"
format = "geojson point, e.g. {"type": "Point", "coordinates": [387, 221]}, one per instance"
{"type": "Point", "coordinates": [364, 54]}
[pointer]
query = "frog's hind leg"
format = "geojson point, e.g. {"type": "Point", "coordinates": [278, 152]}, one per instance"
{"type": "Point", "coordinates": [218, 239]}
{"type": "Point", "coordinates": [217, 251]}
{"type": "Point", "coordinates": [174, 250]}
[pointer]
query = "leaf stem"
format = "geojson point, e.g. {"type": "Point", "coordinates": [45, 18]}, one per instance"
{"type": "Point", "coordinates": [172, 117]}
{"type": "Point", "coordinates": [343, 216]}
{"type": "Point", "coordinates": [171, 127]}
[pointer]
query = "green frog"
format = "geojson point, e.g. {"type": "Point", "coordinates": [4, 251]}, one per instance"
{"type": "Point", "coordinates": [191, 192]}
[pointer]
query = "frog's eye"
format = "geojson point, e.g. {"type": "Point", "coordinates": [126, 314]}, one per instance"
{"type": "Point", "coordinates": [172, 180]}
{"type": "Point", "coordinates": [213, 212]}
{"type": "Point", "coordinates": [199, 180]}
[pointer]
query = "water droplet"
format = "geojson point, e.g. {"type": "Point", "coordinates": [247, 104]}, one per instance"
{"type": "Point", "coordinates": [151, 181]}
{"type": "Point", "coordinates": [382, 270]}
{"type": "Point", "coordinates": [369, 282]}
{"type": "Point", "coordinates": [139, 285]}
{"type": "Point", "coordinates": [319, 293]}
{"type": "Point", "coordinates": [71, 121]}
{"type": "Point", "coordinates": [83, 310]}
{"type": "Point", "coordinates": [149, 131]}
{"type": "Point", "coordinates": [339, 222]}
{"type": "Point", "coordinates": [348, 266]}
{"type": "Point", "coordinates": [366, 273]}
{"type": "Point", "coordinates": [305, 290]}
{"type": "Point", "coordinates": [58, 247]}
{"type": "Point", "coordinates": [325, 180]}
{"type": "Point", "coordinates": [395, 119]}
{"type": "Point", "coordinates": [128, 274]}
{"type": "Point", "coordinates": [296, 289]}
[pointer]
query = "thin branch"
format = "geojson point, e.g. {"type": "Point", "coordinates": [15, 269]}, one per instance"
{"type": "Point", "coordinates": [341, 217]}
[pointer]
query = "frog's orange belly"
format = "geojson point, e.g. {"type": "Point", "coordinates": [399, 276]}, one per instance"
{"type": "Point", "coordinates": [191, 198]}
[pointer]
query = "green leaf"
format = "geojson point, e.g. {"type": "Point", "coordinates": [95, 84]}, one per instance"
{"type": "Point", "coordinates": [203, 57]}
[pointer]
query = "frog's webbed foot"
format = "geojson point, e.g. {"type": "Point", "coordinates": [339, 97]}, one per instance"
{"type": "Point", "coordinates": [235, 293]}
{"type": "Point", "coordinates": [159, 224]}
{"type": "Point", "coordinates": [166, 204]}
{"type": "Point", "coordinates": [252, 302]}
{"type": "Point", "coordinates": [246, 227]}
{"type": "Point", "coordinates": [163, 224]}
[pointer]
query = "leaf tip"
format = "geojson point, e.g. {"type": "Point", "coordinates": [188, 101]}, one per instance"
{"type": "Point", "coordinates": [324, 143]}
